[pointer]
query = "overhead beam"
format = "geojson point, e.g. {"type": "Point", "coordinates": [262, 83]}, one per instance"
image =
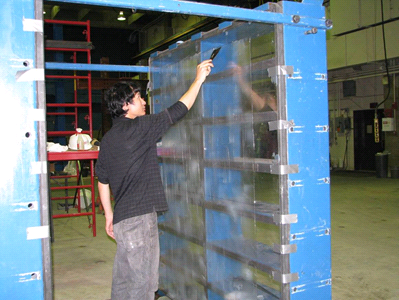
{"type": "Point", "coordinates": [134, 17]}
{"type": "Point", "coordinates": [96, 67]}
{"type": "Point", "coordinates": [83, 13]}
{"type": "Point", "coordinates": [187, 31]}
{"type": "Point", "coordinates": [211, 10]}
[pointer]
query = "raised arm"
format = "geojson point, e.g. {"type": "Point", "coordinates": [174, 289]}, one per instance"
{"type": "Point", "coordinates": [257, 101]}
{"type": "Point", "coordinates": [203, 70]}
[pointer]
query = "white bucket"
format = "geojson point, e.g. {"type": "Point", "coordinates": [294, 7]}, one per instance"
{"type": "Point", "coordinates": [82, 199]}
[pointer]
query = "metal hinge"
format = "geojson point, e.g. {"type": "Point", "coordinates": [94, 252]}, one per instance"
{"type": "Point", "coordinates": [276, 71]}
{"type": "Point", "coordinates": [285, 249]}
{"type": "Point", "coordinates": [280, 124]}
{"type": "Point", "coordinates": [285, 219]}
{"type": "Point", "coordinates": [284, 169]}
{"type": "Point", "coordinates": [285, 278]}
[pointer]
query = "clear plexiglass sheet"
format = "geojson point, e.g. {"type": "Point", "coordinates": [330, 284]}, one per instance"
{"type": "Point", "coordinates": [217, 237]}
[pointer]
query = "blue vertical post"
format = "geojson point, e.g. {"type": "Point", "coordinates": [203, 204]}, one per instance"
{"type": "Point", "coordinates": [25, 258]}
{"type": "Point", "coordinates": [221, 142]}
{"type": "Point", "coordinates": [304, 49]}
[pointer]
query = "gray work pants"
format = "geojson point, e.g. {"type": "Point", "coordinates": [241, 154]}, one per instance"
{"type": "Point", "coordinates": [136, 266]}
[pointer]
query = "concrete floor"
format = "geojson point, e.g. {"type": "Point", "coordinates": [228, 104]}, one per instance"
{"type": "Point", "coordinates": [365, 244]}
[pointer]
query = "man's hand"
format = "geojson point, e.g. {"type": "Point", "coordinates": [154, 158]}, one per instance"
{"type": "Point", "coordinates": [105, 197]}
{"type": "Point", "coordinates": [109, 227]}
{"type": "Point", "coordinates": [203, 70]}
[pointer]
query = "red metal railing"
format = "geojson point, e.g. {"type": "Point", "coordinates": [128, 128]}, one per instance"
{"type": "Point", "coordinates": [82, 155]}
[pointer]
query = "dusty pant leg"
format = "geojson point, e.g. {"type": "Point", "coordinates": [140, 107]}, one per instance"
{"type": "Point", "coordinates": [135, 273]}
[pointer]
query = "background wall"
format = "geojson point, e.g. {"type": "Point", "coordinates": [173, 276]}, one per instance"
{"type": "Point", "coordinates": [366, 44]}
{"type": "Point", "coordinates": [356, 55]}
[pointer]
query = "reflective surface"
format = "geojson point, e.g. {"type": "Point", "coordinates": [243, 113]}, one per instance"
{"type": "Point", "coordinates": [217, 237]}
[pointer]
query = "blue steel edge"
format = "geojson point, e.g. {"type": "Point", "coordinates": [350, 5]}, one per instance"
{"type": "Point", "coordinates": [319, 263]}
{"type": "Point", "coordinates": [209, 10]}
{"type": "Point", "coordinates": [95, 67]}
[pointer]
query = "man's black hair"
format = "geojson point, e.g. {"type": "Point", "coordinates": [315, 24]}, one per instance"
{"type": "Point", "coordinates": [118, 95]}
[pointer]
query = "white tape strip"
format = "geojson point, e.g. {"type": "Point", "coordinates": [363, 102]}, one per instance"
{"type": "Point", "coordinates": [32, 25]}
{"type": "Point", "coordinates": [38, 167]}
{"type": "Point", "coordinates": [30, 75]}
{"type": "Point", "coordinates": [37, 114]}
{"type": "Point", "coordinates": [38, 232]}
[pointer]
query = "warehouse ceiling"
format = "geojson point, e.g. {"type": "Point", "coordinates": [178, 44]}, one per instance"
{"type": "Point", "coordinates": [106, 17]}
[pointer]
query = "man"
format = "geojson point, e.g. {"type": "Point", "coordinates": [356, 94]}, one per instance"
{"type": "Point", "coordinates": [266, 140]}
{"type": "Point", "coordinates": [127, 164]}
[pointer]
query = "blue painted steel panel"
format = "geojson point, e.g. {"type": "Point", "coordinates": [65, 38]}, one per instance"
{"type": "Point", "coordinates": [204, 9]}
{"type": "Point", "coordinates": [306, 91]}
{"type": "Point", "coordinates": [308, 197]}
{"type": "Point", "coordinates": [220, 267]}
{"type": "Point", "coordinates": [21, 267]}
{"type": "Point", "coordinates": [95, 67]}
{"type": "Point", "coordinates": [308, 146]}
{"type": "Point", "coordinates": [221, 142]}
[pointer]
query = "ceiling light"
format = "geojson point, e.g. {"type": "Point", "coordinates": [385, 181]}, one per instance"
{"type": "Point", "coordinates": [121, 17]}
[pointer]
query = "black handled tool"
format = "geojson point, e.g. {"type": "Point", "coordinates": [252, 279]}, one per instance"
{"type": "Point", "coordinates": [214, 53]}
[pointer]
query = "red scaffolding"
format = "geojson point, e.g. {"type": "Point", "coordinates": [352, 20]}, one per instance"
{"type": "Point", "coordinates": [73, 109]}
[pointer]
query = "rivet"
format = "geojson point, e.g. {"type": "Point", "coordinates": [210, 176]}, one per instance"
{"type": "Point", "coordinates": [296, 18]}
{"type": "Point", "coordinates": [311, 31]}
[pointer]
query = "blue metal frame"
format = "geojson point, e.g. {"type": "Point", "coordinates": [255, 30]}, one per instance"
{"type": "Point", "coordinates": [211, 10]}
{"type": "Point", "coordinates": [25, 232]}
{"type": "Point", "coordinates": [308, 146]}
{"type": "Point", "coordinates": [95, 67]}
{"type": "Point", "coordinates": [305, 143]}
{"type": "Point", "coordinates": [305, 194]}
{"type": "Point", "coordinates": [25, 272]}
